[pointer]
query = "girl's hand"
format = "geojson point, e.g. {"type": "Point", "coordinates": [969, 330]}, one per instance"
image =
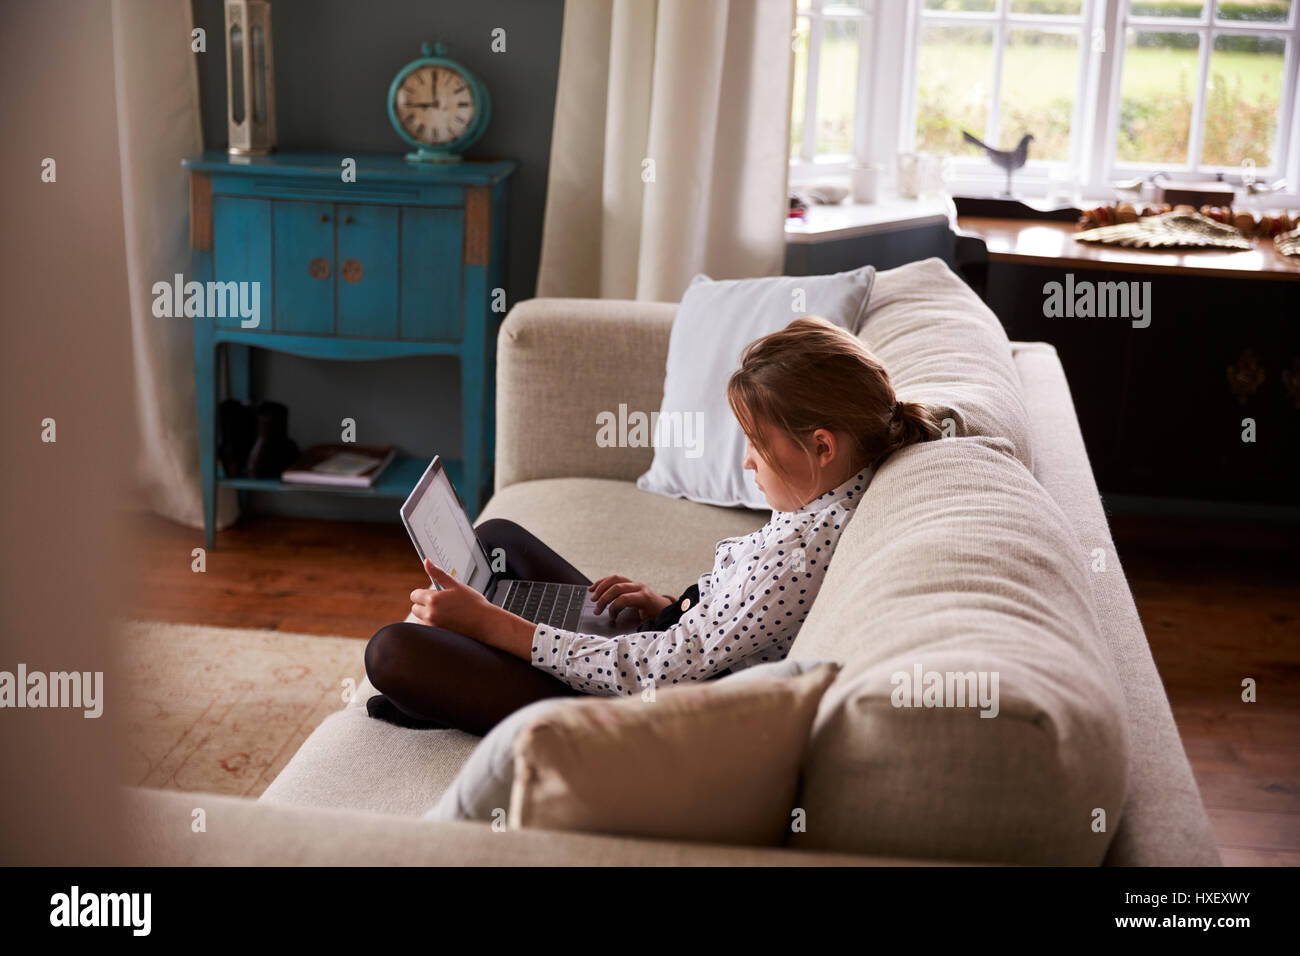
{"type": "Point", "coordinates": [456, 607]}
{"type": "Point", "coordinates": [619, 592]}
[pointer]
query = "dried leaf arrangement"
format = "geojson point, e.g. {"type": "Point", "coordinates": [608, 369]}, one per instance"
{"type": "Point", "coordinates": [1246, 222]}
{"type": "Point", "coordinates": [1288, 243]}
{"type": "Point", "coordinates": [1169, 230]}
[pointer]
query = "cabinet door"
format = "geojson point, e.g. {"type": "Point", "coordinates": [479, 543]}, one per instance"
{"type": "Point", "coordinates": [432, 249]}
{"type": "Point", "coordinates": [1208, 363]}
{"type": "Point", "coordinates": [241, 253]}
{"type": "Point", "coordinates": [367, 270]}
{"type": "Point", "coordinates": [304, 267]}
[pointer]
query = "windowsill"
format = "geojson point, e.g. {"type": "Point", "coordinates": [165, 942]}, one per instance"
{"type": "Point", "coordinates": [849, 220]}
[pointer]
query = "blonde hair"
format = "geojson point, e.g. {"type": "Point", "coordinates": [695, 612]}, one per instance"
{"type": "Point", "coordinates": [814, 374]}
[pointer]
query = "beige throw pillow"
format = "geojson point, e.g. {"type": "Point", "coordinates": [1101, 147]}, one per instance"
{"type": "Point", "coordinates": [716, 762]}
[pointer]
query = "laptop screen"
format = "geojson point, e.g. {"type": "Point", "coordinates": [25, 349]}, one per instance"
{"type": "Point", "coordinates": [441, 530]}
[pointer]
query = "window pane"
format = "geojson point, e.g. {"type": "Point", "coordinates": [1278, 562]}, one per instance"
{"type": "Point", "coordinates": [956, 6]}
{"type": "Point", "coordinates": [1270, 11]}
{"type": "Point", "coordinates": [1188, 9]}
{"type": "Point", "coordinates": [954, 83]}
{"type": "Point", "coordinates": [800, 86]}
{"type": "Point", "coordinates": [1156, 96]}
{"type": "Point", "coordinates": [1059, 7]}
{"type": "Point", "coordinates": [837, 86]}
{"type": "Point", "coordinates": [1039, 70]}
{"type": "Point", "coordinates": [1241, 100]}
{"type": "Point", "coordinates": [805, 4]}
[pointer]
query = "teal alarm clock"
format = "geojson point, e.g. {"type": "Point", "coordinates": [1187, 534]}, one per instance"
{"type": "Point", "coordinates": [438, 106]}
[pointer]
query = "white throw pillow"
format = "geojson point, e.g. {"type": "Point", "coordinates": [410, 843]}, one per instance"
{"type": "Point", "coordinates": [698, 443]}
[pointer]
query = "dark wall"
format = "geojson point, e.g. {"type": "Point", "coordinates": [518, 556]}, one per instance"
{"type": "Point", "coordinates": [334, 61]}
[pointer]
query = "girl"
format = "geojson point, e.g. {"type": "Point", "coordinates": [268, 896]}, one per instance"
{"type": "Point", "coordinates": [819, 416]}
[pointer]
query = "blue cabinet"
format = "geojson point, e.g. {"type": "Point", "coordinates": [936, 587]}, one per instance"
{"type": "Point", "coordinates": [400, 261]}
{"type": "Point", "coordinates": [302, 267]}
{"type": "Point", "coordinates": [241, 231]}
{"type": "Point", "coordinates": [368, 266]}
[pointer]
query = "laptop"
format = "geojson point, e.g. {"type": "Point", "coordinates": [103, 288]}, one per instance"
{"type": "Point", "coordinates": [440, 529]}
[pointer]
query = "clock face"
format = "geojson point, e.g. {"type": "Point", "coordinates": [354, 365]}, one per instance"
{"type": "Point", "coordinates": [434, 105]}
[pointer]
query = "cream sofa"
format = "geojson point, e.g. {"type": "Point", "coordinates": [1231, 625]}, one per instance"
{"type": "Point", "coordinates": [357, 788]}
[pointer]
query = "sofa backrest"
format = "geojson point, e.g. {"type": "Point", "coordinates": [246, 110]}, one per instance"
{"type": "Point", "coordinates": [956, 561]}
{"type": "Point", "coordinates": [942, 345]}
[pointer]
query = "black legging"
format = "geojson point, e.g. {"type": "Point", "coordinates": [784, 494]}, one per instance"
{"type": "Point", "coordinates": [432, 673]}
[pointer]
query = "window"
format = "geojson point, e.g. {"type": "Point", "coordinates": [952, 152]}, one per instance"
{"type": "Point", "coordinates": [999, 70]}
{"type": "Point", "coordinates": [1110, 89]}
{"type": "Point", "coordinates": [1202, 83]}
{"type": "Point", "coordinates": [831, 43]}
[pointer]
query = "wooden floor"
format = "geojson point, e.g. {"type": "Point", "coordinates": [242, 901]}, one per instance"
{"type": "Point", "coordinates": [1220, 603]}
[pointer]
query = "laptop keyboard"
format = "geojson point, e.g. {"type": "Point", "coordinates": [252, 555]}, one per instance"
{"type": "Point", "coordinates": [558, 605]}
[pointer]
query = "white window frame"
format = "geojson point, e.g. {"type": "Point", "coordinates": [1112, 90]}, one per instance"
{"type": "Point", "coordinates": [885, 123]}
{"type": "Point", "coordinates": [810, 166]}
{"type": "Point", "coordinates": [974, 174]}
{"type": "Point", "coordinates": [1206, 28]}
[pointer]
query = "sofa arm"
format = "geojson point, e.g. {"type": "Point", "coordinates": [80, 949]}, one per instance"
{"type": "Point", "coordinates": [244, 832]}
{"type": "Point", "coordinates": [560, 362]}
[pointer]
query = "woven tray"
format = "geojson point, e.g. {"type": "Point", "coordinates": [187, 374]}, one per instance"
{"type": "Point", "coordinates": [1173, 230]}
{"type": "Point", "coordinates": [1288, 243]}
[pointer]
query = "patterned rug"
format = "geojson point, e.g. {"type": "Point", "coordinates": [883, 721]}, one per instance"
{"type": "Point", "coordinates": [223, 709]}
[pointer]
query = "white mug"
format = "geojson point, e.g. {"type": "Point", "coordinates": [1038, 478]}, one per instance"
{"type": "Point", "coordinates": [909, 185]}
{"type": "Point", "coordinates": [933, 173]}
{"type": "Point", "coordinates": [865, 180]}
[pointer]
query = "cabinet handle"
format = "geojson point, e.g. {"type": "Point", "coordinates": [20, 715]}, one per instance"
{"type": "Point", "coordinates": [1291, 381]}
{"type": "Point", "coordinates": [347, 220]}
{"type": "Point", "coordinates": [324, 217]}
{"type": "Point", "coordinates": [352, 270]}
{"type": "Point", "coordinates": [319, 268]}
{"type": "Point", "coordinates": [1245, 376]}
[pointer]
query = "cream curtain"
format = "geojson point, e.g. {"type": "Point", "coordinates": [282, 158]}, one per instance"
{"type": "Point", "coordinates": [158, 124]}
{"type": "Point", "coordinates": [702, 91]}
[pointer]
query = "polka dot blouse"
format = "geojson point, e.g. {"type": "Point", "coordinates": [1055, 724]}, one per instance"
{"type": "Point", "coordinates": [751, 607]}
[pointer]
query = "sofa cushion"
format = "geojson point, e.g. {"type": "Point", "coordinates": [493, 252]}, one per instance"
{"type": "Point", "coordinates": [942, 345]}
{"type": "Point", "coordinates": [602, 526]}
{"type": "Point", "coordinates": [156, 830]}
{"type": "Point", "coordinates": [481, 791]}
{"type": "Point", "coordinates": [1165, 823]}
{"type": "Point", "coordinates": [699, 445]}
{"type": "Point", "coordinates": [957, 561]}
{"type": "Point", "coordinates": [716, 762]}
{"type": "Point", "coordinates": [355, 761]}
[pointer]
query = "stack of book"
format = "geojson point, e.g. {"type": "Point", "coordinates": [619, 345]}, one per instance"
{"type": "Point", "coordinates": [354, 466]}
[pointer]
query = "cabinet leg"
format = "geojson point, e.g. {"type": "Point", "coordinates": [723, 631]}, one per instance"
{"type": "Point", "coordinates": [239, 365]}
{"type": "Point", "coordinates": [239, 372]}
{"type": "Point", "coordinates": [205, 389]}
{"type": "Point", "coordinates": [474, 407]}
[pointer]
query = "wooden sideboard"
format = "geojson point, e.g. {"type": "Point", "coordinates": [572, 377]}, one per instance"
{"type": "Point", "coordinates": [400, 259]}
{"type": "Point", "coordinates": [1162, 406]}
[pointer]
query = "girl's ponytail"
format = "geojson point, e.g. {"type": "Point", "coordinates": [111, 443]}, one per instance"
{"type": "Point", "coordinates": [909, 423]}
